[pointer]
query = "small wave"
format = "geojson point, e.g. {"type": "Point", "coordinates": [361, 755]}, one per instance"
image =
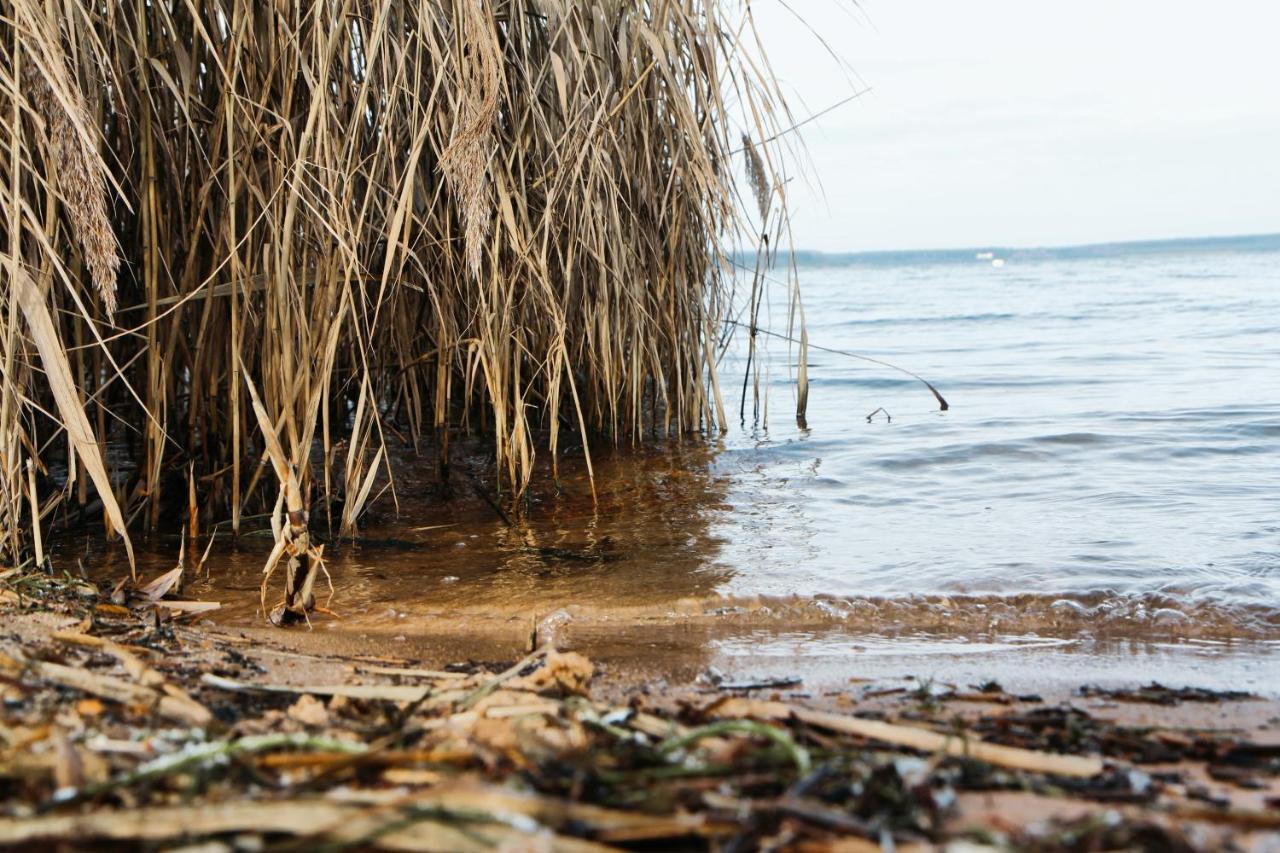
{"type": "Point", "coordinates": [1198, 276]}
{"type": "Point", "coordinates": [1076, 439]}
{"type": "Point", "coordinates": [932, 321]}
{"type": "Point", "coordinates": [1259, 429]}
{"type": "Point", "coordinates": [952, 386]}
{"type": "Point", "coordinates": [1172, 451]}
{"type": "Point", "coordinates": [961, 455]}
{"type": "Point", "coordinates": [1149, 617]}
{"type": "Point", "coordinates": [1235, 413]}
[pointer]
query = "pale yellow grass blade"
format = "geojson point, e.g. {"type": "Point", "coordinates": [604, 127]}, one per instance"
{"type": "Point", "coordinates": [58, 373]}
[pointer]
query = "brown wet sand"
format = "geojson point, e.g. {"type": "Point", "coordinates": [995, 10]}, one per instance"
{"type": "Point", "coordinates": [633, 655]}
{"type": "Point", "coordinates": [686, 652]}
{"type": "Point", "coordinates": [1026, 642]}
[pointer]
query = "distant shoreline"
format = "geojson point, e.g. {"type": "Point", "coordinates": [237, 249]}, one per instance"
{"type": "Point", "coordinates": [1186, 245]}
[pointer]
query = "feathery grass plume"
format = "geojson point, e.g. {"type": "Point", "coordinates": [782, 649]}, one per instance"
{"type": "Point", "coordinates": [757, 177]}
{"type": "Point", "coordinates": [422, 218]}
{"type": "Point", "coordinates": [465, 162]}
{"type": "Point", "coordinates": [71, 139]}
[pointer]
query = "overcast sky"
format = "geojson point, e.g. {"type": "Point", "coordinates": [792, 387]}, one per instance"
{"type": "Point", "coordinates": [1024, 122]}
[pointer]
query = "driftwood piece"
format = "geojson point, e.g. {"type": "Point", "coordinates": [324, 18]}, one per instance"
{"type": "Point", "coordinates": [604, 823]}
{"type": "Point", "coordinates": [924, 740]}
{"type": "Point", "coordinates": [134, 663]}
{"type": "Point", "coordinates": [386, 692]}
{"type": "Point", "coordinates": [172, 704]}
{"type": "Point", "coordinates": [401, 672]}
{"type": "Point", "coordinates": [405, 828]}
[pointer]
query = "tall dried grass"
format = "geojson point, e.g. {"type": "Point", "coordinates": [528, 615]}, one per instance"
{"type": "Point", "coordinates": [324, 221]}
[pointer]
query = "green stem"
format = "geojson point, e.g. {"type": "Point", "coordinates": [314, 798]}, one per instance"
{"type": "Point", "coordinates": [199, 755]}
{"type": "Point", "coordinates": [798, 754]}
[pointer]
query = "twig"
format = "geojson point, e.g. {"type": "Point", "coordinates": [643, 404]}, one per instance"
{"type": "Point", "coordinates": [488, 687]}
{"type": "Point", "coordinates": [760, 331]}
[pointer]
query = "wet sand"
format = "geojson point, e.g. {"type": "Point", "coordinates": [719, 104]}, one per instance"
{"type": "Point", "coordinates": [1034, 644]}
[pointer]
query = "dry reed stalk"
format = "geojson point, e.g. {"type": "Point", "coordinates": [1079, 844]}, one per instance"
{"type": "Point", "coordinates": [58, 376]}
{"type": "Point", "coordinates": [496, 216]}
{"type": "Point", "coordinates": [37, 541]}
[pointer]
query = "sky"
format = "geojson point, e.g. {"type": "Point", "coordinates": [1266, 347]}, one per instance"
{"type": "Point", "coordinates": [1029, 123]}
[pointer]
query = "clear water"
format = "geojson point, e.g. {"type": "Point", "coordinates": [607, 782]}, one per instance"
{"type": "Point", "coordinates": [1114, 426]}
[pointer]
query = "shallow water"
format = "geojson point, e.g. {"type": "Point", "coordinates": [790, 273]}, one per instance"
{"type": "Point", "coordinates": [1107, 474]}
{"type": "Point", "coordinates": [1115, 425]}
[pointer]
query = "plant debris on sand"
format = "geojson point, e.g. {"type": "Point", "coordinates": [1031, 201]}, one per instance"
{"type": "Point", "coordinates": [122, 727]}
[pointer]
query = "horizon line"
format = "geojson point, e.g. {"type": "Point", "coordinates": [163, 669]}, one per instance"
{"type": "Point", "coordinates": [1063, 247]}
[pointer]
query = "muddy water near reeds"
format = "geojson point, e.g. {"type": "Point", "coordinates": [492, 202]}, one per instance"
{"type": "Point", "coordinates": [1107, 476]}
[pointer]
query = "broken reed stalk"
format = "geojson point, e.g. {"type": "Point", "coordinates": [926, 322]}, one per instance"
{"type": "Point", "coordinates": [509, 217]}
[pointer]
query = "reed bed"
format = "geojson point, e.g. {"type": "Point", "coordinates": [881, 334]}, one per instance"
{"type": "Point", "coordinates": [250, 245]}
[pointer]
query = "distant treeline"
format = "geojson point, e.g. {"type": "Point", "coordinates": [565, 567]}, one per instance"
{"type": "Point", "coordinates": [1191, 245]}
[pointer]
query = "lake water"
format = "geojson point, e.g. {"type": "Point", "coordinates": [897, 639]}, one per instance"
{"type": "Point", "coordinates": [1114, 426]}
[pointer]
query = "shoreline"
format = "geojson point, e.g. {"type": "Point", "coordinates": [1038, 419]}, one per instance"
{"type": "Point", "coordinates": [1038, 642]}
